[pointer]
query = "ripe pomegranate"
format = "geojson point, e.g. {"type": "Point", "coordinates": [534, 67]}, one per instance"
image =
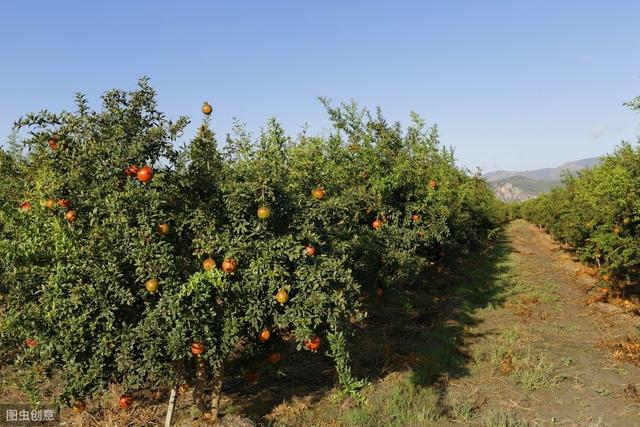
{"type": "Point", "coordinates": [229, 265]}
{"type": "Point", "coordinates": [71, 216]}
{"type": "Point", "coordinates": [314, 344]}
{"type": "Point", "coordinates": [132, 171]}
{"type": "Point", "coordinates": [274, 357]}
{"type": "Point", "coordinates": [208, 264]}
{"type": "Point", "coordinates": [126, 400]}
{"type": "Point", "coordinates": [162, 229]}
{"type": "Point", "coordinates": [78, 407]}
{"type": "Point", "coordinates": [145, 174]}
{"type": "Point", "coordinates": [53, 143]}
{"type": "Point", "coordinates": [310, 250]}
{"type": "Point", "coordinates": [251, 377]}
{"type": "Point", "coordinates": [376, 224]}
{"type": "Point", "coordinates": [318, 193]}
{"type": "Point", "coordinates": [264, 335]}
{"type": "Point", "coordinates": [197, 348]}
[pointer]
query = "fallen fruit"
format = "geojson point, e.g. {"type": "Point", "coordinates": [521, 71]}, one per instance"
{"type": "Point", "coordinates": [125, 401]}
{"type": "Point", "coordinates": [78, 406]}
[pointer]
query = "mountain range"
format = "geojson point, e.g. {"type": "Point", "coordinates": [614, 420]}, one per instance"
{"type": "Point", "coordinates": [511, 186]}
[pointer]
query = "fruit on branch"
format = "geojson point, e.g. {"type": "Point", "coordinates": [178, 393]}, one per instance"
{"type": "Point", "coordinates": [282, 296]}
{"type": "Point", "coordinates": [152, 285]}
{"type": "Point", "coordinates": [208, 264]}
{"type": "Point", "coordinates": [229, 265]}
{"type": "Point", "coordinates": [264, 212]}
{"type": "Point", "coordinates": [145, 174]}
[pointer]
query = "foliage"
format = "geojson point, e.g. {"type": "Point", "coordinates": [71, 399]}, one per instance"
{"type": "Point", "coordinates": [597, 212]}
{"type": "Point", "coordinates": [78, 291]}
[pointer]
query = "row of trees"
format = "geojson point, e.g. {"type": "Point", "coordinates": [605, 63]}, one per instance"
{"type": "Point", "coordinates": [597, 211]}
{"type": "Point", "coordinates": [124, 259]}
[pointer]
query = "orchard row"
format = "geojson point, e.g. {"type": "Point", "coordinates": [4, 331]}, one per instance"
{"type": "Point", "coordinates": [597, 212]}
{"type": "Point", "coordinates": [125, 259]}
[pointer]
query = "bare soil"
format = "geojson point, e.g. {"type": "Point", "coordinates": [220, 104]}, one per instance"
{"type": "Point", "coordinates": [527, 342]}
{"type": "Point", "coordinates": [592, 388]}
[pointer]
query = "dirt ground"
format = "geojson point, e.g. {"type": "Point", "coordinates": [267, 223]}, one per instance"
{"type": "Point", "coordinates": [524, 339]}
{"type": "Point", "coordinates": [549, 320]}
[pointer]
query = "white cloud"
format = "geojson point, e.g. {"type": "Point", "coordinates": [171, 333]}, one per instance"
{"type": "Point", "coordinates": [597, 131]}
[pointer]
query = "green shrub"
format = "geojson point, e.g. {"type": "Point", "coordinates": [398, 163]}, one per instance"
{"type": "Point", "coordinates": [116, 292]}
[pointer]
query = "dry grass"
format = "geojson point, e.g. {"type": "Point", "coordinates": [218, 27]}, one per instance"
{"type": "Point", "coordinates": [627, 350]}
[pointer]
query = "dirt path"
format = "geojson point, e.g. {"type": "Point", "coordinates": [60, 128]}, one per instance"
{"type": "Point", "coordinates": [539, 355]}
{"type": "Point", "coordinates": [504, 339]}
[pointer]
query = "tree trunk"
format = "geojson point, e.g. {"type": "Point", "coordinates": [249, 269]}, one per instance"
{"type": "Point", "coordinates": [209, 412]}
{"type": "Point", "coordinates": [215, 394]}
{"type": "Point", "coordinates": [198, 387]}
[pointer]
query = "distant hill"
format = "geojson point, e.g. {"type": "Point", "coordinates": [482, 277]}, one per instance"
{"type": "Point", "coordinates": [511, 186]}
{"type": "Point", "coordinates": [546, 174]}
{"type": "Point", "coordinates": [518, 188]}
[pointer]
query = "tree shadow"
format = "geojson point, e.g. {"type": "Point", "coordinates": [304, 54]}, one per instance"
{"type": "Point", "coordinates": [421, 329]}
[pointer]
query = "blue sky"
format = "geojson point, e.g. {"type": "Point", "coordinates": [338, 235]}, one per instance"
{"type": "Point", "coordinates": [512, 85]}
